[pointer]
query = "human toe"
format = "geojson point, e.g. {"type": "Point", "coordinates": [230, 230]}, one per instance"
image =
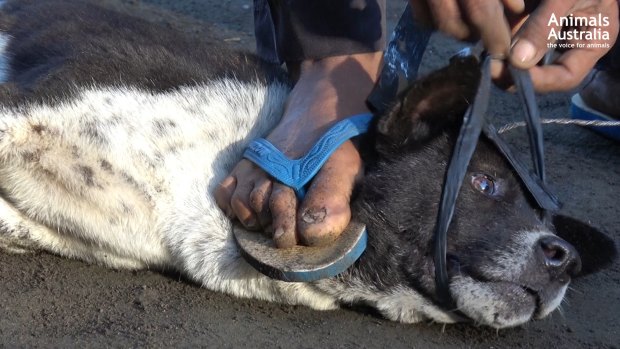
{"type": "Point", "coordinates": [283, 206]}
{"type": "Point", "coordinates": [325, 211]}
{"type": "Point", "coordinates": [224, 192]}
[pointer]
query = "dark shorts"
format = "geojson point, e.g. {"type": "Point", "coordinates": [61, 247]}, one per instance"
{"type": "Point", "coordinates": [296, 30]}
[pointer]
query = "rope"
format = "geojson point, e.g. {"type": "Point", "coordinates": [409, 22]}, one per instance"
{"type": "Point", "coordinates": [598, 123]}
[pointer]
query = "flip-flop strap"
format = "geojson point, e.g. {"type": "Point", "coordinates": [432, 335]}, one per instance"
{"type": "Point", "coordinates": [297, 173]}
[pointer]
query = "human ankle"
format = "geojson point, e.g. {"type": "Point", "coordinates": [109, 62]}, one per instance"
{"type": "Point", "coordinates": [328, 90]}
{"type": "Point", "coordinates": [358, 65]}
{"type": "Point", "coordinates": [343, 81]}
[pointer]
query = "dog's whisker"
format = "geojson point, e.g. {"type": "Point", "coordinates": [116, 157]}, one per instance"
{"type": "Point", "coordinates": [574, 289]}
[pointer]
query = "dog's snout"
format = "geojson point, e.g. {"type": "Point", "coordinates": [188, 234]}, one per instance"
{"type": "Point", "coordinates": [559, 257]}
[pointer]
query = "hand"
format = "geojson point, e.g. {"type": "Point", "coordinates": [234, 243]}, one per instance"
{"type": "Point", "coordinates": [571, 67]}
{"type": "Point", "coordinates": [520, 30]}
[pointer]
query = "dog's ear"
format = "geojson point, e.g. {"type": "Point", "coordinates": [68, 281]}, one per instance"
{"type": "Point", "coordinates": [431, 104]}
{"type": "Point", "coordinates": [597, 250]}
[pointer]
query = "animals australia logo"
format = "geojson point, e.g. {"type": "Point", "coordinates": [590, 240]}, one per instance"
{"type": "Point", "coordinates": [570, 31]}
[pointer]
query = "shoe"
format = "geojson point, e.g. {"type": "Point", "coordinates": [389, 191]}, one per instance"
{"type": "Point", "coordinates": [579, 110]}
{"type": "Point", "coordinates": [302, 263]}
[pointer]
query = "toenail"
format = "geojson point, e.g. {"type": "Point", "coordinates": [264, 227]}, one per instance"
{"type": "Point", "coordinates": [250, 223]}
{"type": "Point", "coordinates": [278, 234]}
{"type": "Point", "coordinates": [230, 213]}
{"type": "Point", "coordinates": [313, 216]}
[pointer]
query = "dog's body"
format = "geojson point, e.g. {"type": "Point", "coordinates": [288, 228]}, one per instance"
{"type": "Point", "coordinates": [114, 133]}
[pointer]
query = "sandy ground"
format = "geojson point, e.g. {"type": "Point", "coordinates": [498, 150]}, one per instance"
{"type": "Point", "coordinates": [46, 301]}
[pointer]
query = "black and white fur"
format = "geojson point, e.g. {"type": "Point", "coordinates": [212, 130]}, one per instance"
{"type": "Point", "coordinates": [114, 133]}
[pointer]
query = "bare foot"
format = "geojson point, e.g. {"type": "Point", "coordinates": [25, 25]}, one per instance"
{"type": "Point", "coordinates": [327, 91]}
{"type": "Point", "coordinates": [601, 93]}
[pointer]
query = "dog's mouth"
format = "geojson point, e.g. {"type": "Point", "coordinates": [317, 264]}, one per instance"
{"type": "Point", "coordinates": [537, 300]}
{"type": "Point", "coordinates": [501, 303]}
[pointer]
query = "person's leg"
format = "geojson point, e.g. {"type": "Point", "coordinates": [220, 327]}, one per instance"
{"type": "Point", "coordinates": [333, 49]}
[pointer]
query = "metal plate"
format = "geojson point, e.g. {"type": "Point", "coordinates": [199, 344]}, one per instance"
{"type": "Point", "coordinates": [301, 263]}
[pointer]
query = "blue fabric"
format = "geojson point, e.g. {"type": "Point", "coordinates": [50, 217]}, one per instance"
{"type": "Point", "coordinates": [580, 110]}
{"type": "Point", "coordinates": [297, 173]}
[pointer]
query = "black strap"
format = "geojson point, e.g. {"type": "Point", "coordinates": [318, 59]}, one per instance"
{"type": "Point", "coordinates": [473, 124]}
{"type": "Point", "coordinates": [462, 153]}
{"type": "Point", "coordinates": [527, 97]}
{"type": "Point", "coordinates": [543, 196]}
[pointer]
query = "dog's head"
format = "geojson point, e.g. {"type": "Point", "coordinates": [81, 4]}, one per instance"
{"type": "Point", "coordinates": [507, 265]}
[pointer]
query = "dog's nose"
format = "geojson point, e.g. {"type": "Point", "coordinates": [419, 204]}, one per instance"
{"type": "Point", "coordinates": [559, 257]}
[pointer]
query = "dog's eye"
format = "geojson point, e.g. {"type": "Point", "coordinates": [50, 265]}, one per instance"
{"type": "Point", "coordinates": [483, 183]}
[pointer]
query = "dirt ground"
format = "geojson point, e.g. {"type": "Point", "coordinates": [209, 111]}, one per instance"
{"type": "Point", "coordinates": [46, 301]}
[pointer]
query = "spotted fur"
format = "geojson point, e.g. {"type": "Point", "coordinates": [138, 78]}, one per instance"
{"type": "Point", "coordinates": [114, 133]}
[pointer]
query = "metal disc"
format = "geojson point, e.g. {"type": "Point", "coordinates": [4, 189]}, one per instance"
{"type": "Point", "coordinates": [301, 263]}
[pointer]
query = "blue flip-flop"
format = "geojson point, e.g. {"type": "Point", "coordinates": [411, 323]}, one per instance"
{"type": "Point", "coordinates": [401, 61]}
{"type": "Point", "coordinates": [301, 263]}
{"type": "Point", "coordinates": [580, 110]}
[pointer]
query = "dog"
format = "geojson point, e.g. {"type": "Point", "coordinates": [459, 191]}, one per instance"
{"type": "Point", "coordinates": [114, 133]}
